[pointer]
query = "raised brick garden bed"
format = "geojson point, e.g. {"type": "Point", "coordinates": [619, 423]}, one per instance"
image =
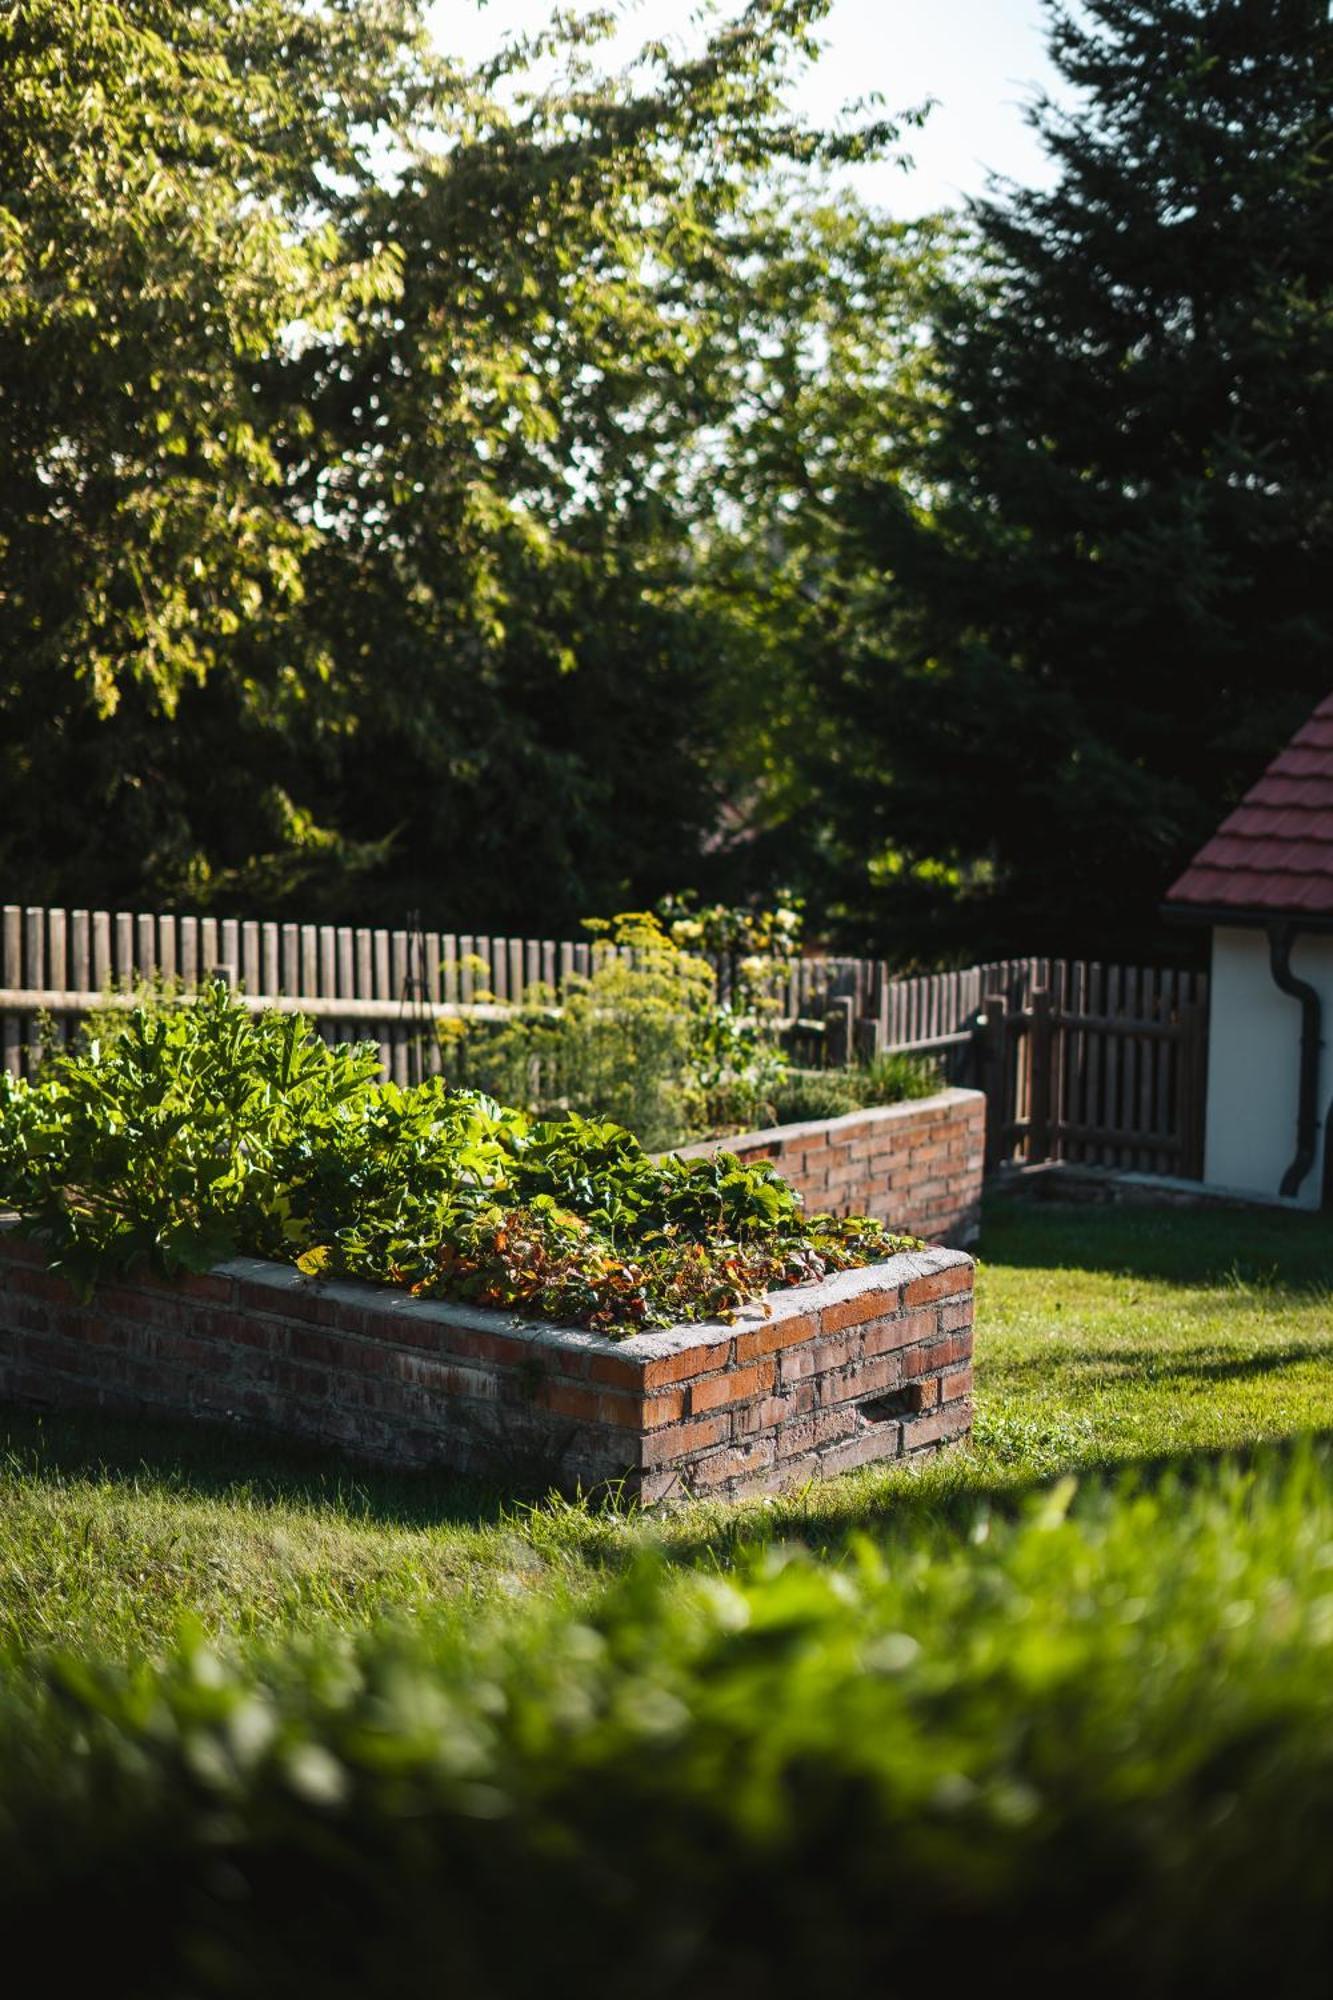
{"type": "Point", "coordinates": [868, 1365]}
{"type": "Point", "coordinates": [916, 1166]}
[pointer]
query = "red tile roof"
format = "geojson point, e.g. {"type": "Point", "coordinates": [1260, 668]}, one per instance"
{"type": "Point", "coordinates": [1274, 854]}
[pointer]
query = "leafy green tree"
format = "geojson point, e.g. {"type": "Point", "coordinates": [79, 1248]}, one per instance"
{"type": "Point", "coordinates": [165, 239]}
{"type": "Point", "coordinates": [160, 170]}
{"type": "Point", "coordinates": [837, 396]}
{"type": "Point", "coordinates": [440, 635]}
{"type": "Point", "coordinates": [521, 464]}
{"type": "Point", "coordinates": [1100, 572]}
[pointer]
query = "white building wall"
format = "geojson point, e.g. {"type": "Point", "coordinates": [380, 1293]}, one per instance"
{"type": "Point", "coordinates": [1254, 1051]}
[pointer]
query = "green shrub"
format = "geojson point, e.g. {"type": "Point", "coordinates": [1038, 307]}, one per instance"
{"type": "Point", "coordinates": [891, 1078]}
{"type": "Point", "coordinates": [641, 1039]}
{"type": "Point", "coordinates": [817, 1093]}
{"type": "Point", "coordinates": [831, 1093]}
{"type": "Point", "coordinates": [644, 1040]}
{"type": "Point", "coordinates": [1094, 1744]}
{"type": "Point", "coordinates": [200, 1131]}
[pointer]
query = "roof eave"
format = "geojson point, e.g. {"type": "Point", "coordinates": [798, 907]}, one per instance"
{"type": "Point", "coordinates": [1237, 917]}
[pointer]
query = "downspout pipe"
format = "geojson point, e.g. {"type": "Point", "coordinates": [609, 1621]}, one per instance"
{"type": "Point", "coordinates": [1281, 937]}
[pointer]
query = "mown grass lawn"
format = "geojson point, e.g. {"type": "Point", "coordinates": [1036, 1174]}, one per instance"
{"type": "Point", "coordinates": [1106, 1338]}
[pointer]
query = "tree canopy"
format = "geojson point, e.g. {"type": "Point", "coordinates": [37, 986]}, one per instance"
{"type": "Point", "coordinates": [520, 490]}
{"type": "Point", "coordinates": [1093, 592]}
{"type": "Point", "coordinates": [364, 437]}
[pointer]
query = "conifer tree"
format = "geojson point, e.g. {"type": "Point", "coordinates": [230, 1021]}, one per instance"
{"type": "Point", "coordinates": [1095, 596]}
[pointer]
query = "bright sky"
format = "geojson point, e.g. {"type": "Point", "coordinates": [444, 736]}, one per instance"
{"type": "Point", "coordinates": [980, 59]}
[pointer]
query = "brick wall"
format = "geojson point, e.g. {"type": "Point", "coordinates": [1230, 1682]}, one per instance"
{"type": "Point", "coordinates": [868, 1365]}
{"type": "Point", "coordinates": [916, 1166]}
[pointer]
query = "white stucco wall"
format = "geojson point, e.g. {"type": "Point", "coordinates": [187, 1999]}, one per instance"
{"type": "Point", "coordinates": [1254, 1043]}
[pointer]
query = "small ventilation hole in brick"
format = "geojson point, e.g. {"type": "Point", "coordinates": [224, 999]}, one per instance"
{"type": "Point", "coordinates": [899, 1403]}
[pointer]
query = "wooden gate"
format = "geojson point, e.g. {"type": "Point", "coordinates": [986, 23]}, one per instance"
{"type": "Point", "coordinates": [1098, 1065]}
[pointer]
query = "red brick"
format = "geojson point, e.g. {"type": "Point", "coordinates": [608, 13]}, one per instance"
{"type": "Point", "coordinates": [609, 1368]}
{"type": "Point", "coordinates": [831, 1426]}
{"type": "Point", "coordinates": [15, 1249]}
{"type": "Point", "coordinates": [436, 1385]}
{"type": "Point", "coordinates": [938, 1285]}
{"type": "Point", "coordinates": [684, 1366]}
{"type": "Point", "coordinates": [26, 1316]}
{"type": "Point", "coordinates": [678, 1441]}
{"type": "Point", "coordinates": [802, 1434]}
{"type": "Point", "coordinates": [861, 1378]}
{"type": "Point", "coordinates": [203, 1285]}
{"type": "Point", "coordinates": [468, 1343]}
{"type": "Point", "coordinates": [794, 1437]}
{"type": "Point", "coordinates": [774, 1335]}
{"type": "Point", "coordinates": [736, 1461]}
{"type": "Point", "coordinates": [335, 1353]}
{"type": "Point", "coordinates": [737, 1385]}
{"type": "Point", "coordinates": [201, 1356]}
{"type": "Point", "coordinates": [955, 1316]}
{"type": "Point", "coordinates": [838, 1352]}
{"type": "Point", "coordinates": [771, 1411]}
{"type": "Point", "coordinates": [48, 1351]}
{"type": "Point", "coordinates": [950, 1420]}
{"type": "Point", "coordinates": [596, 1406]}
{"type": "Point", "coordinates": [957, 1384]}
{"type": "Point", "coordinates": [878, 1304]}
{"type": "Point", "coordinates": [30, 1385]}
{"type": "Point", "coordinates": [796, 1364]}
{"type": "Point", "coordinates": [240, 1329]}
{"type": "Point", "coordinates": [878, 1443]}
{"type": "Point", "coordinates": [257, 1404]}
{"type": "Point", "coordinates": [937, 1354]}
{"type": "Point", "coordinates": [384, 1378]}
{"type": "Point", "coordinates": [564, 1399]}
{"type": "Point", "coordinates": [784, 1476]}
{"type": "Point", "coordinates": [664, 1484]}
{"type": "Point", "coordinates": [886, 1335]}
{"type": "Point", "coordinates": [38, 1284]}
{"type": "Point", "coordinates": [298, 1378]}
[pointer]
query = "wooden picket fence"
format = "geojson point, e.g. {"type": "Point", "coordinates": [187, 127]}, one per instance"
{"type": "Point", "coordinates": [355, 982]}
{"type": "Point", "coordinates": [1099, 1064]}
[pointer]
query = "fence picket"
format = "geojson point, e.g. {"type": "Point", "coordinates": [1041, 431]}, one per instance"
{"type": "Point", "coordinates": [166, 949]}
{"type": "Point", "coordinates": [252, 958]}
{"type": "Point", "coordinates": [11, 976]}
{"type": "Point", "coordinates": [1111, 1073]}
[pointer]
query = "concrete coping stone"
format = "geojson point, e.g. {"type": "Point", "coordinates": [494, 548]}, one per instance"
{"type": "Point", "coordinates": [899, 1269]}
{"type": "Point", "coordinates": [821, 1128]}
{"type": "Point", "coordinates": [283, 1279]}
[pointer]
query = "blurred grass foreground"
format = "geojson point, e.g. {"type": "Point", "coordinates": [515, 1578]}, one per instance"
{"type": "Point", "coordinates": [1061, 1705]}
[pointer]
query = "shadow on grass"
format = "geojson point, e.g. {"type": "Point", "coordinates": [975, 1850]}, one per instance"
{"type": "Point", "coordinates": [941, 1496]}
{"type": "Point", "coordinates": [1267, 1248]}
{"type": "Point", "coordinates": [1175, 1365]}
{"type": "Point", "coordinates": [212, 1461]}
{"type": "Point", "coordinates": [905, 1510]}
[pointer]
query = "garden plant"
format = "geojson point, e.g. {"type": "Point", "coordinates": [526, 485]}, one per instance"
{"type": "Point", "coordinates": [199, 1131]}
{"type": "Point", "coordinates": [653, 1038]}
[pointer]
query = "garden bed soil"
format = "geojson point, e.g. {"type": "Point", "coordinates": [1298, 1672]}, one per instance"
{"type": "Point", "coordinates": [866, 1366]}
